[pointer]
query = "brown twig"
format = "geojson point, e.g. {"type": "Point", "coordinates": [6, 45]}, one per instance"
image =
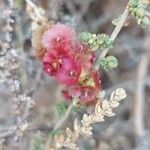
{"type": "Point", "coordinates": [139, 99]}
{"type": "Point", "coordinates": [140, 96]}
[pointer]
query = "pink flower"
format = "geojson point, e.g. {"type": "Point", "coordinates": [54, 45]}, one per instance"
{"type": "Point", "coordinates": [66, 95]}
{"type": "Point", "coordinates": [49, 68]}
{"type": "Point", "coordinates": [59, 36]}
{"type": "Point", "coordinates": [97, 81]}
{"type": "Point", "coordinates": [86, 94]}
{"type": "Point", "coordinates": [85, 56]}
{"type": "Point", "coordinates": [52, 61]}
{"type": "Point", "coordinates": [69, 72]}
{"type": "Point", "coordinates": [50, 64]}
{"type": "Point", "coordinates": [81, 48]}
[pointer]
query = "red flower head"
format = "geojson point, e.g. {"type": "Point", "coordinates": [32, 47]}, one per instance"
{"type": "Point", "coordinates": [84, 55]}
{"type": "Point", "coordinates": [70, 62]}
{"type": "Point", "coordinates": [58, 37]}
{"type": "Point", "coordinates": [69, 72]}
{"type": "Point", "coordinates": [97, 81]}
{"type": "Point", "coordinates": [86, 94]}
{"type": "Point", "coordinates": [52, 61]}
{"type": "Point", "coordinates": [81, 48]}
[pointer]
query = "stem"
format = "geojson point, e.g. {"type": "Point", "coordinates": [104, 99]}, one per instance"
{"type": "Point", "coordinates": [61, 121]}
{"type": "Point", "coordinates": [138, 110]}
{"type": "Point", "coordinates": [115, 33]}
{"type": "Point", "coordinates": [117, 29]}
{"type": "Point", "coordinates": [35, 9]}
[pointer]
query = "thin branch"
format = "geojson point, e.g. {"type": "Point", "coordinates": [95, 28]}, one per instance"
{"type": "Point", "coordinates": [35, 8]}
{"type": "Point", "coordinates": [115, 33]}
{"type": "Point", "coordinates": [61, 121]}
{"type": "Point", "coordinates": [117, 30]}
{"type": "Point", "coordinates": [139, 97]}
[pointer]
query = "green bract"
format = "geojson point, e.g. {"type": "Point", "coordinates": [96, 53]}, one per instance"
{"type": "Point", "coordinates": [108, 63]}
{"type": "Point", "coordinates": [38, 143]}
{"type": "Point", "coordinates": [137, 8]}
{"type": "Point", "coordinates": [94, 41]}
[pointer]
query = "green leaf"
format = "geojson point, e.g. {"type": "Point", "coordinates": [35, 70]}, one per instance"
{"type": "Point", "coordinates": [56, 132]}
{"type": "Point", "coordinates": [96, 41]}
{"type": "Point", "coordinates": [108, 63]}
{"type": "Point", "coordinates": [61, 108]}
{"type": "Point", "coordinates": [38, 143]}
{"type": "Point", "coordinates": [145, 21]}
{"type": "Point", "coordinates": [85, 36]}
{"type": "Point", "coordinates": [76, 109]}
{"type": "Point", "coordinates": [137, 8]}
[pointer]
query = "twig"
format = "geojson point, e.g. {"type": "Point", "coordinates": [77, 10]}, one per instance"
{"type": "Point", "coordinates": [61, 122]}
{"type": "Point", "coordinates": [139, 97]}
{"type": "Point", "coordinates": [116, 30]}
{"type": "Point", "coordinates": [114, 35]}
{"type": "Point", "coordinates": [35, 8]}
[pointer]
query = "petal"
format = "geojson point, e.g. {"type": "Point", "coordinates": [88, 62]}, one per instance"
{"type": "Point", "coordinates": [59, 35]}
{"type": "Point", "coordinates": [49, 69]}
{"type": "Point", "coordinates": [63, 78]}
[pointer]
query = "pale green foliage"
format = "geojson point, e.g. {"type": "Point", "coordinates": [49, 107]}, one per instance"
{"type": "Point", "coordinates": [61, 108]}
{"type": "Point", "coordinates": [108, 63]}
{"type": "Point", "coordinates": [137, 8]}
{"type": "Point", "coordinates": [38, 143]}
{"type": "Point", "coordinates": [56, 132]}
{"type": "Point", "coordinates": [95, 42]}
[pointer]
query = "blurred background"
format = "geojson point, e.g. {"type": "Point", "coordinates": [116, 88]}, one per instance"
{"type": "Point", "coordinates": [130, 128]}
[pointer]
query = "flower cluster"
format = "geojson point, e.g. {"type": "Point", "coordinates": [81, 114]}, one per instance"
{"type": "Point", "coordinates": [70, 62]}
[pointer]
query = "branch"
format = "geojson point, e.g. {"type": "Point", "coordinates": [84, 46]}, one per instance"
{"type": "Point", "coordinates": [138, 110]}
{"type": "Point", "coordinates": [115, 33]}
{"type": "Point", "coordinates": [35, 8]}
{"type": "Point", "coordinates": [37, 14]}
{"type": "Point", "coordinates": [61, 121]}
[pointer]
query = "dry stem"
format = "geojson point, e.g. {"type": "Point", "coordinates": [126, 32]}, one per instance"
{"type": "Point", "coordinates": [35, 8]}
{"type": "Point", "coordinates": [139, 97]}
{"type": "Point", "coordinates": [116, 30]}
{"type": "Point", "coordinates": [114, 34]}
